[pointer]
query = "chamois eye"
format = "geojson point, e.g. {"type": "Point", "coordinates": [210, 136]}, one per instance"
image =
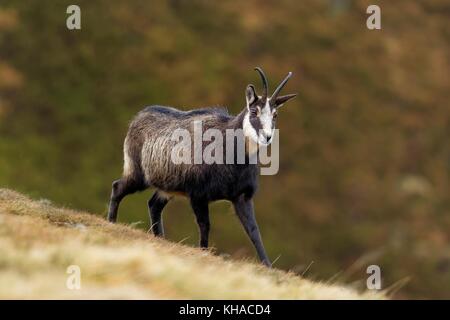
{"type": "Point", "coordinates": [275, 115]}
{"type": "Point", "coordinates": [254, 112]}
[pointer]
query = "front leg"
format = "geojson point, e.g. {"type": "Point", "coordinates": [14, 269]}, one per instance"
{"type": "Point", "coordinates": [245, 212]}
{"type": "Point", "coordinates": [156, 205]}
{"type": "Point", "coordinates": [201, 211]}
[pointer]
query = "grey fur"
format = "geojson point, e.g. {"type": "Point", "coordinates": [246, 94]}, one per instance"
{"type": "Point", "coordinates": [147, 163]}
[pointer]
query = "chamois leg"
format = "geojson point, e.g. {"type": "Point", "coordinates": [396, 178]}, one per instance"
{"type": "Point", "coordinates": [202, 217]}
{"type": "Point", "coordinates": [245, 212]}
{"type": "Point", "coordinates": [120, 189]}
{"type": "Point", "coordinates": [156, 205]}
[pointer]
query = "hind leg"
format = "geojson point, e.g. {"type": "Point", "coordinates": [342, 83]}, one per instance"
{"type": "Point", "coordinates": [156, 205]}
{"type": "Point", "coordinates": [120, 189]}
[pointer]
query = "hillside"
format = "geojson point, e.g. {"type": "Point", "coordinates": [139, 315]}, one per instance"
{"type": "Point", "coordinates": [39, 241]}
{"type": "Point", "coordinates": [364, 148]}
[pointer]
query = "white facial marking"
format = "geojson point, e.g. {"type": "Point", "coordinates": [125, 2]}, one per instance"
{"type": "Point", "coordinates": [266, 123]}
{"type": "Point", "coordinates": [248, 129]}
{"type": "Point", "coordinates": [266, 119]}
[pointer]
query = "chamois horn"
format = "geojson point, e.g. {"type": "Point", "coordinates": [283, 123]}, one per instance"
{"type": "Point", "coordinates": [265, 83]}
{"type": "Point", "coordinates": [281, 85]}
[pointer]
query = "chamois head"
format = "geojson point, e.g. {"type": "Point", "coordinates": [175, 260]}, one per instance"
{"type": "Point", "coordinates": [260, 119]}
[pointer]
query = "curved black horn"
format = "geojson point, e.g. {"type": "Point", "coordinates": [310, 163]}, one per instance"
{"type": "Point", "coordinates": [278, 89]}
{"type": "Point", "coordinates": [265, 83]}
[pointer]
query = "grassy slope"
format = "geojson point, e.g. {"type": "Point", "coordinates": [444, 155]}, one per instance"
{"type": "Point", "coordinates": [38, 241]}
{"type": "Point", "coordinates": [364, 146]}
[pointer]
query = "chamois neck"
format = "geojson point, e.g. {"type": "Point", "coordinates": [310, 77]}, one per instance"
{"type": "Point", "coordinates": [251, 147]}
{"type": "Point", "coordinates": [238, 121]}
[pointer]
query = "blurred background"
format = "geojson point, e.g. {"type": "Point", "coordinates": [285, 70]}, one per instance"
{"type": "Point", "coordinates": [365, 155]}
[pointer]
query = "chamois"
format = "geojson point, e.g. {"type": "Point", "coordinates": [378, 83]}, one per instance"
{"type": "Point", "coordinates": [147, 161]}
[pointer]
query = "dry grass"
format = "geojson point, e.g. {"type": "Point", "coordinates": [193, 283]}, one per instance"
{"type": "Point", "coordinates": [38, 241]}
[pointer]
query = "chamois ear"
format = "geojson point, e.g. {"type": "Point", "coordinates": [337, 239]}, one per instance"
{"type": "Point", "coordinates": [250, 94]}
{"type": "Point", "coordinates": [279, 101]}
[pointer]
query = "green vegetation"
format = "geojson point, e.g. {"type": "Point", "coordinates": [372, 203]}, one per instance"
{"type": "Point", "coordinates": [365, 159]}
